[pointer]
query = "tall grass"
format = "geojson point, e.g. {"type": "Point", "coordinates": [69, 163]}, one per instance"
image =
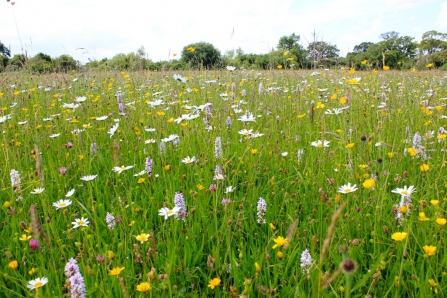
{"type": "Point", "coordinates": [348, 235]}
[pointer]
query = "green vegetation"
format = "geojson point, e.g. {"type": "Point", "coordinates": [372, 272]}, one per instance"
{"type": "Point", "coordinates": [280, 183]}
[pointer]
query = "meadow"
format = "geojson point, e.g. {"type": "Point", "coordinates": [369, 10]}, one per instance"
{"type": "Point", "coordinates": [232, 183]}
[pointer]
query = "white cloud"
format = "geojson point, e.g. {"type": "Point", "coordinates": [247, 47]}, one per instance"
{"type": "Point", "coordinates": [108, 27]}
{"type": "Point", "coordinates": [442, 18]}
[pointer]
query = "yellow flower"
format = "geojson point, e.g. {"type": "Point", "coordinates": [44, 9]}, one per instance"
{"type": "Point", "coordinates": [403, 209]}
{"type": "Point", "coordinates": [301, 116]}
{"type": "Point", "coordinates": [16, 92]}
{"type": "Point", "coordinates": [412, 151]}
{"type": "Point", "coordinates": [286, 53]}
{"type": "Point", "coordinates": [191, 49]}
{"type": "Point", "coordinates": [110, 254]}
{"type": "Point", "coordinates": [6, 204]}
{"type": "Point", "coordinates": [351, 70]}
{"type": "Point", "coordinates": [364, 62]}
{"type": "Point", "coordinates": [424, 167]}
{"type": "Point", "coordinates": [13, 264]}
{"type": "Point", "coordinates": [258, 268]}
{"type": "Point", "coordinates": [81, 157]}
{"type": "Point", "coordinates": [272, 226]}
{"type": "Point", "coordinates": [167, 167]}
{"type": "Point", "coordinates": [142, 237]}
{"type": "Point", "coordinates": [399, 236]}
{"type": "Point", "coordinates": [434, 202]}
{"type": "Point", "coordinates": [280, 241]}
{"type": "Point", "coordinates": [438, 108]}
{"type": "Point", "coordinates": [24, 237]}
{"type": "Point", "coordinates": [116, 271]}
{"type": "Point", "coordinates": [429, 65]}
{"type": "Point", "coordinates": [350, 145]}
{"type": "Point", "coordinates": [430, 250]}
{"type": "Point", "coordinates": [385, 67]}
{"type": "Point", "coordinates": [422, 217]}
{"type": "Point", "coordinates": [214, 283]}
{"type": "Point", "coordinates": [143, 287]}
{"type": "Point", "coordinates": [334, 97]}
{"type": "Point", "coordinates": [363, 166]}
{"type": "Point", "coordinates": [200, 186]}
{"type": "Point", "coordinates": [320, 105]}
{"type": "Point", "coordinates": [280, 255]}
{"type": "Point", "coordinates": [141, 180]}
{"type": "Point", "coordinates": [343, 100]}
{"type": "Point", "coordinates": [131, 223]}
{"type": "Point", "coordinates": [31, 271]}
{"type": "Point", "coordinates": [390, 154]}
{"type": "Point", "coordinates": [279, 66]}
{"type": "Point", "coordinates": [441, 221]}
{"type": "Point", "coordinates": [433, 285]}
{"type": "Point", "coordinates": [369, 183]}
{"type": "Point", "coordinates": [1, 94]}
{"type": "Point", "coordinates": [170, 120]}
{"type": "Point", "coordinates": [254, 151]}
{"type": "Point", "coordinates": [161, 113]}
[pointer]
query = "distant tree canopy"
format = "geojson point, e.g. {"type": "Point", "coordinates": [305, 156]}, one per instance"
{"type": "Point", "coordinates": [393, 50]}
{"type": "Point", "coordinates": [4, 51]}
{"type": "Point", "coordinates": [201, 55]}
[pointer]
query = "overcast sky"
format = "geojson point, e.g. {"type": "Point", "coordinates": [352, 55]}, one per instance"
{"type": "Point", "coordinates": [105, 28]}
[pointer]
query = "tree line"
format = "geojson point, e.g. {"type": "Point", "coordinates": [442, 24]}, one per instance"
{"type": "Point", "coordinates": [393, 50]}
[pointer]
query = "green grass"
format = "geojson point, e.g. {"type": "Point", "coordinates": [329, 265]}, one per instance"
{"type": "Point", "coordinates": [180, 258]}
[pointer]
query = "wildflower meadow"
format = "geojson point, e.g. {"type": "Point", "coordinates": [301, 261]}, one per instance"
{"type": "Point", "coordinates": [231, 183]}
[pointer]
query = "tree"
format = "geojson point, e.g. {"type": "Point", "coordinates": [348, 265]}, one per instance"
{"type": "Point", "coordinates": [322, 53]}
{"type": "Point", "coordinates": [41, 63]}
{"type": "Point", "coordinates": [201, 55]}
{"type": "Point", "coordinates": [297, 52]}
{"type": "Point", "coordinates": [4, 51]}
{"type": "Point", "coordinates": [362, 48]}
{"type": "Point", "coordinates": [65, 63]}
{"type": "Point", "coordinates": [433, 41]}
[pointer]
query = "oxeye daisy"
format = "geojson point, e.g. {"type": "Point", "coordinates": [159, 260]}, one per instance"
{"type": "Point", "coordinates": [70, 193]}
{"type": "Point", "coordinates": [119, 170]}
{"type": "Point", "coordinates": [38, 191]}
{"type": "Point", "coordinates": [166, 212]}
{"type": "Point", "coordinates": [347, 188]}
{"type": "Point", "coordinates": [188, 160]}
{"type": "Point", "coordinates": [320, 143]}
{"type": "Point", "coordinates": [80, 222]}
{"type": "Point", "coordinates": [62, 204]}
{"type": "Point", "coordinates": [88, 177]}
{"type": "Point", "coordinates": [405, 191]}
{"type": "Point", "coordinates": [37, 283]}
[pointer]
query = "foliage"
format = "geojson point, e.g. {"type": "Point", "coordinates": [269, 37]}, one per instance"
{"type": "Point", "coordinates": [4, 51]}
{"type": "Point", "coordinates": [201, 55]}
{"type": "Point", "coordinates": [321, 53]}
{"type": "Point", "coordinates": [65, 63]}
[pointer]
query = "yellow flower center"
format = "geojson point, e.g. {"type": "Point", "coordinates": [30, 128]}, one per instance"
{"type": "Point", "coordinates": [38, 284]}
{"type": "Point", "coordinates": [81, 222]}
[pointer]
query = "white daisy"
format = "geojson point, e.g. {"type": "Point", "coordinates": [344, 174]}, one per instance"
{"type": "Point", "coordinates": [229, 189]}
{"type": "Point", "coordinates": [55, 135]}
{"type": "Point", "coordinates": [80, 222]}
{"type": "Point", "coordinates": [406, 191]}
{"type": "Point", "coordinates": [231, 68]}
{"type": "Point", "coordinates": [70, 193]}
{"type": "Point", "coordinates": [188, 160]}
{"type": "Point", "coordinates": [119, 170]}
{"type": "Point", "coordinates": [140, 173]}
{"type": "Point", "coordinates": [80, 99]}
{"type": "Point", "coordinates": [37, 283]}
{"type": "Point", "coordinates": [347, 188]}
{"type": "Point", "coordinates": [320, 143]}
{"type": "Point", "coordinates": [62, 204]}
{"type": "Point", "coordinates": [150, 141]}
{"type": "Point", "coordinates": [88, 177]}
{"type": "Point", "coordinates": [166, 212]}
{"type": "Point", "coordinates": [101, 118]}
{"type": "Point", "coordinates": [113, 129]}
{"type": "Point", "coordinates": [38, 191]}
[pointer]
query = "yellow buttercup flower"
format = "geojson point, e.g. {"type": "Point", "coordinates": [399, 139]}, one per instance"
{"type": "Point", "coordinates": [258, 268]}
{"type": "Point", "coordinates": [424, 167]}
{"type": "Point", "coordinates": [116, 271]}
{"type": "Point", "coordinates": [369, 183]}
{"type": "Point", "coordinates": [399, 236]}
{"type": "Point", "coordinates": [280, 241]}
{"type": "Point", "coordinates": [422, 217]}
{"type": "Point", "coordinates": [441, 221]}
{"type": "Point", "coordinates": [13, 265]}
{"type": "Point", "coordinates": [386, 68]}
{"type": "Point", "coordinates": [214, 283]}
{"type": "Point", "coordinates": [143, 287]}
{"type": "Point", "coordinates": [430, 250]}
